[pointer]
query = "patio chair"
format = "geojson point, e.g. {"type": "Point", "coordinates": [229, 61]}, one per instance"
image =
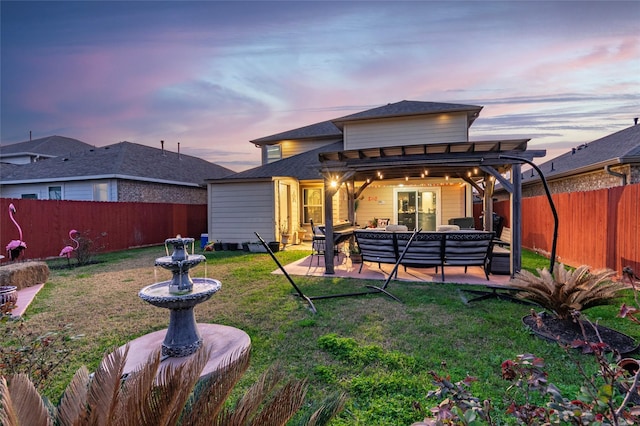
{"type": "Point", "coordinates": [319, 243]}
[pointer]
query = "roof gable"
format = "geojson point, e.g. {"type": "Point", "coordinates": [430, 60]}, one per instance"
{"type": "Point", "coordinates": [410, 108]}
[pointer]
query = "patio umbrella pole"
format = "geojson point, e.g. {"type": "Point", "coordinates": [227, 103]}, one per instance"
{"type": "Point", "coordinates": [300, 293]}
{"type": "Point", "coordinates": [395, 268]}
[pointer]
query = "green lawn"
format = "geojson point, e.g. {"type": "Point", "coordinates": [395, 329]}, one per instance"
{"type": "Point", "coordinates": [377, 350]}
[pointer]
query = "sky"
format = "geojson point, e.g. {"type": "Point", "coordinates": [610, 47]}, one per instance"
{"type": "Point", "coordinates": [212, 75]}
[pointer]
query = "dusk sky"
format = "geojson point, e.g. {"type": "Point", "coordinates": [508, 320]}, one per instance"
{"type": "Point", "coordinates": [214, 75]}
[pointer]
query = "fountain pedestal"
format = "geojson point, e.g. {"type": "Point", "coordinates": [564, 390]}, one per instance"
{"type": "Point", "coordinates": [184, 336]}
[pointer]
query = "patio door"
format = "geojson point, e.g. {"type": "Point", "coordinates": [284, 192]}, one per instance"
{"type": "Point", "coordinates": [417, 208]}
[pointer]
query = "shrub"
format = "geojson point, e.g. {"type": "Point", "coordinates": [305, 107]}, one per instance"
{"type": "Point", "coordinates": [174, 395]}
{"type": "Point", "coordinates": [32, 354]}
{"type": "Point", "coordinates": [607, 398]}
{"type": "Point", "coordinates": [566, 291]}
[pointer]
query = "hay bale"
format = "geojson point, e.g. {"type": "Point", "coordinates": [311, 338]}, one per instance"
{"type": "Point", "coordinates": [24, 274]}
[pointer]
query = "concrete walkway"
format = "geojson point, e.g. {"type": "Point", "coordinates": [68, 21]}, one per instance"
{"type": "Point", "coordinates": [25, 297]}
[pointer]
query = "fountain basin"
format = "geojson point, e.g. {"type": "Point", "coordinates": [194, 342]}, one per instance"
{"type": "Point", "coordinates": [191, 260]}
{"type": "Point", "coordinates": [158, 294]}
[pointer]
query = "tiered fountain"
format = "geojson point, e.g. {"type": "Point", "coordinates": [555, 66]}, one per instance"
{"type": "Point", "coordinates": [180, 295]}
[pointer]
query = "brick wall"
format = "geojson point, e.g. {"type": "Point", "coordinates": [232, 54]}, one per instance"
{"type": "Point", "coordinates": [149, 192]}
{"type": "Point", "coordinates": [585, 182]}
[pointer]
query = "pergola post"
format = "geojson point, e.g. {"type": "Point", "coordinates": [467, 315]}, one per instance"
{"type": "Point", "coordinates": [487, 204]}
{"type": "Point", "coordinates": [328, 227]}
{"type": "Point", "coordinates": [351, 187]}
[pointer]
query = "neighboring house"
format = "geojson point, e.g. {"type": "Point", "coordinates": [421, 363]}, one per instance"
{"type": "Point", "coordinates": [409, 162]}
{"type": "Point", "coordinates": [613, 160]}
{"type": "Point", "coordinates": [123, 171]}
{"type": "Point", "coordinates": [40, 149]}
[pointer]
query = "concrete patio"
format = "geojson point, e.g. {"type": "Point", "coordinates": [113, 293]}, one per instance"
{"type": "Point", "coordinates": [314, 266]}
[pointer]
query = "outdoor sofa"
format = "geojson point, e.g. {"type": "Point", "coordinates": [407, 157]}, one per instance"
{"type": "Point", "coordinates": [428, 249]}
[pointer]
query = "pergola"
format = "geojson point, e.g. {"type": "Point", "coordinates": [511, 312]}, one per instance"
{"type": "Point", "coordinates": [480, 164]}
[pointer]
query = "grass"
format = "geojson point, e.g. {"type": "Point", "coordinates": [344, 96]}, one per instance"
{"type": "Point", "coordinates": [377, 350]}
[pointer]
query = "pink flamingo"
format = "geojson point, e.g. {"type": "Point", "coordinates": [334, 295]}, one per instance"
{"type": "Point", "coordinates": [67, 250]}
{"type": "Point", "coordinates": [15, 247]}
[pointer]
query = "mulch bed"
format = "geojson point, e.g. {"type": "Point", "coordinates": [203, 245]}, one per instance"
{"type": "Point", "coordinates": [567, 332]}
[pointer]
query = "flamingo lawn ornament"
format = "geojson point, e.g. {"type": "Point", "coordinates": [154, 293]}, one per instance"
{"type": "Point", "coordinates": [67, 250]}
{"type": "Point", "coordinates": [15, 247]}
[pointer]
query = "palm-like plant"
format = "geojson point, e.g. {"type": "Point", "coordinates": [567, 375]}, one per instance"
{"type": "Point", "coordinates": [566, 291]}
{"type": "Point", "coordinates": [161, 396]}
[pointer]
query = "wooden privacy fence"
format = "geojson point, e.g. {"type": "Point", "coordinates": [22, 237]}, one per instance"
{"type": "Point", "coordinates": [598, 228]}
{"type": "Point", "coordinates": [111, 225]}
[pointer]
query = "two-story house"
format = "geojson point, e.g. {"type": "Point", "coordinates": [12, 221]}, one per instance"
{"type": "Point", "coordinates": [409, 162]}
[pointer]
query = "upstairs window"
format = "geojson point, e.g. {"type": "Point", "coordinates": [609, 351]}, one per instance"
{"type": "Point", "coordinates": [274, 153]}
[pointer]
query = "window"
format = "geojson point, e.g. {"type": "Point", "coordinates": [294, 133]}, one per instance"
{"type": "Point", "coordinates": [55, 193]}
{"type": "Point", "coordinates": [29, 196]}
{"type": "Point", "coordinates": [100, 192]}
{"type": "Point", "coordinates": [274, 153]}
{"type": "Point", "coordinates": [312, 205]}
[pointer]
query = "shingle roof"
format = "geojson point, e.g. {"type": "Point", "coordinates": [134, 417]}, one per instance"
{"type": "Point", "coordinates": [618, 148]}
{"type": "Point", "coordinates": [124, 160]}
{"type": "Point", "coordinates": [409, 108]}
{"type": "Point", "coordinates": [325, 129]}
{"type": "Point", "coordinates": [50, 146]}
{"type": "Point", "coordinates": [304, 166]}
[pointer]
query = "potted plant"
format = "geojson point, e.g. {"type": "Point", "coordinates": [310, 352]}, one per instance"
{"type": "Point", "coordinates": [354, 253]}
{"type": "Point", "coordinates": [300, 234]}
{"type": "Point", "coordinates": [564, 295]}
{"type": "Point", "coordinates": [284, 234]}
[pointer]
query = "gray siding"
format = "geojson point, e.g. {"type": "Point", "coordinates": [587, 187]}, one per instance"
{"type": "Point", "coordinates": [442, 128]}
{"type": "Point", "coordinates": [78, 191]}
{"type": "Point", "coordinates": [237, 210]}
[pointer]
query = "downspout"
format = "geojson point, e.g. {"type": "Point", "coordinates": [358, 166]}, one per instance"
{"type": "Point", "coordinates": [622, 176]}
